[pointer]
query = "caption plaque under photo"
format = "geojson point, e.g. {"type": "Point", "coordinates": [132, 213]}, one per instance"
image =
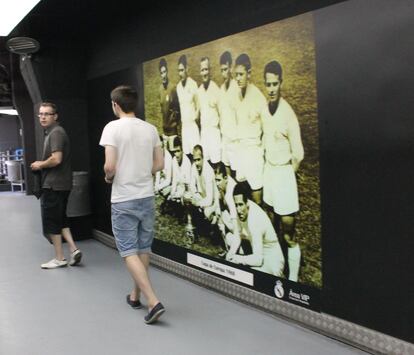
{"type": "Point", "coordinates": [239, 196]}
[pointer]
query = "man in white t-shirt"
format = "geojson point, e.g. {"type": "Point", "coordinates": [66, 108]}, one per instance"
{"type": "Point", "coordinates": [229, 92]}
{"type": "Point", "coordinates": [181, 170]}
{"type": "Point", "coordinates": [283, 155]}
{"type": "Point", "coordinates": [250, 159]}
{"type": "Point", "coordinates": [223, 212]}
{"type": "Point", "coordinates": [208, 98]}
{"type": "Point", "coordinates": [133, 153]}
{"type": "Point", "coordinates": [257, 246]}
{"type": "Point", "coordinates": [187, 98]}
{"type": "Point", "coordinates": [201, 194]}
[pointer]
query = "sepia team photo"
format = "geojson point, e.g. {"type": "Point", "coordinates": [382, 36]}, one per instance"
{"type": "Point", "coordinates": [233, 148]}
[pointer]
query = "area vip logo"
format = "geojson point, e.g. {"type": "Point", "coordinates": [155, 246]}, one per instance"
{"type": "Point", "coordinates": [279, 290]}
{"type": "Point", "coordinates": [299, 297]}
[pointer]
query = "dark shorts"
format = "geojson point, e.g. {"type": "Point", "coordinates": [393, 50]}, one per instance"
{"type": "Point", "coordinates": [53, 206]}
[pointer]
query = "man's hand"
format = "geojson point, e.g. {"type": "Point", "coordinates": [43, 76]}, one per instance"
{"type": "Point", "coordinates": [232, 258]}
{"type": "Point", "coordinates": [109, 180]}
{"type": "Point", "coordinates": [36, 166]}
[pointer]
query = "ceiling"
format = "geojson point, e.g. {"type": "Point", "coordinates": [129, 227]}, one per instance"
{"type": "Point", "coordinates": [75, 18]}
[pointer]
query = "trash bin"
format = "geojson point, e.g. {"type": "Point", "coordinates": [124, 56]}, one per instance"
{"type": "Point", "coordinates": [14, 171]}
{"type": "Point", "coordinates": [79, 208]}
{"type": "Point", "coordinates": [79, 201]}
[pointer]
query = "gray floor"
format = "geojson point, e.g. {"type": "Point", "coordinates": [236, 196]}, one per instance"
{"type": "Point", "coordinates": [81, 310]}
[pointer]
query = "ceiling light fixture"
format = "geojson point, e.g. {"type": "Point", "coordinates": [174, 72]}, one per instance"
{"type": "Point", "coordinates": [22, 45]}
{"type": "Point", "coordinates": [8, 111]}
{"type": "Point", "coordinates": [12, 12]}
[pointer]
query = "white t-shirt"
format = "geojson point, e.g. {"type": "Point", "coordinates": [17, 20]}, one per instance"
{"type": "Point", "coordinates": [203, 184]}
{"type": "Point", "coordinates": [187, 99]}
{"type": "Point", "coordinates": [281, 135]}
{"type": "Point", "coordinates": [208, 101]}
{"type": "Point", "coordinates": [249, 123]}
{"type": "Point", "coordinates": [134, 141]}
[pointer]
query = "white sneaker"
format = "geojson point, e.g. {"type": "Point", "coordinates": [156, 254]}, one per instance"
{"type": "Point", "coordinates": [75, 257]}
{"type": "Point", "coordinates": [54, 263]}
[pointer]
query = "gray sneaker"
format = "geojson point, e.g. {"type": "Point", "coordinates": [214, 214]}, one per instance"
{"type": "Point", "coordinates": [54, 264]}
{"type": "Point", "coordinates": [75, 257]}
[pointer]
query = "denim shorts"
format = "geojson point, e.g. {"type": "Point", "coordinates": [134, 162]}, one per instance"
{"type": "Point", "coordinates": [133, 225]}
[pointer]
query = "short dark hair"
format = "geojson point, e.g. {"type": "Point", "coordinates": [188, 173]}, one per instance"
{"type": "Point", "coordinates": [205, 59]}
{"type": "Point", "coordinates": [273, 67]}
{"type": "Point", "coordinates": [183, 60]}
{"type": "Point", "coordinates": [244, 60]}
{"type": "Point", "coordinates": [226, 58]}
{"type": "Point", "coordinates": [199, 148]}
{"type": "Point", "coordinates": [49, 104]}
{"type": "Point", "coordinates": [220, 169]}
{"type": "Point", "coordinates": [241, 189]}
{"type": "Point", "coordinates": [177, 142]}
{"type": "Point", "coordinates": [163, 63]}
{"type": "Point", "coordinates": [126, 97]}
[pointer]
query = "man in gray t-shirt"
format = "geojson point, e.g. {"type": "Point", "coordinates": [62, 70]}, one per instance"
{"type": "Point", "coordinates": [59, 177]}
{"type": "Point", "coordinates": [56, 185]}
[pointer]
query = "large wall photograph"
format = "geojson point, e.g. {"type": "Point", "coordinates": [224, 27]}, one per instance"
{"type": "Point", "coordinates": [239, 125]}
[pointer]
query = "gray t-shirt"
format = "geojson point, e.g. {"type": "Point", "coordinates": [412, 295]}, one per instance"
{"type": "Point", "coordinates": [58, 178]}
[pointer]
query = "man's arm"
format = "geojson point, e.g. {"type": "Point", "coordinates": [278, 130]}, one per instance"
{"type": "Point", "coordinates": [167, 171]}
{"type": "Point", "coordinates": [54, 160]}
{"type": "Point", "coordinates": [208, 199]}
{"type": "Point", "coordinates": [254, 259]}
{"type": "Point", "coordinates": [110, 163]}
{"type": "Point", "coordinates": [174, 172]}
{"type": "Point", "coordinates": [257, 236]}
{"type": "Point", "coordinates": [295, 141]}
{"type": "Point", "coordinates": [157, 160]}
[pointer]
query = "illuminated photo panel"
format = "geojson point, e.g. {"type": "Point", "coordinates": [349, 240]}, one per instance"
{"type": "Point", "coordinates": [238, 119]}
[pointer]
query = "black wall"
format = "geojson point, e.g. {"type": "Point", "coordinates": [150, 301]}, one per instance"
{"type": "Point", "coordinates": [60, 72]}
{"type": "Point", "coordinates": [366, 136]}
{"type": "Point", "coordinates": [151, 31]}
{"type": "Point", "coordinates": [364, 76]}
{"type": "Point", "coordinates": [100, 113]}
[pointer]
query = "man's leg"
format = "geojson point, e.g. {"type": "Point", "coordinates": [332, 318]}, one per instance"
{"type": "Point", "coordinates": [136, 291]}
{"type": "Point", "coordinates": [52, 207]}
{"type": "Point", "coordinates": [67, 235]}
{"type": "Point", "coordinates": [75, 253]}
{"type": "Point", "coordinates": [139, 274]}
{"type": "Point", "coordinates": [57, 244]}
{"type": "Point", "coordinates": [59, 260]}
{"type": "Point", "coordinates": [189, 228]}
{"type": "Point", "coordinates": [294, 253]}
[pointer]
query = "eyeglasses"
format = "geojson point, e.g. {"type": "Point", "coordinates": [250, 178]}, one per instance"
{"type": "Point", "coordinates": [47, 114]}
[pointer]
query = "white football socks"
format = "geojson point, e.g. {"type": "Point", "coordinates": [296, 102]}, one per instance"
{"type": "Point", "coordinates": [294, 262]}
